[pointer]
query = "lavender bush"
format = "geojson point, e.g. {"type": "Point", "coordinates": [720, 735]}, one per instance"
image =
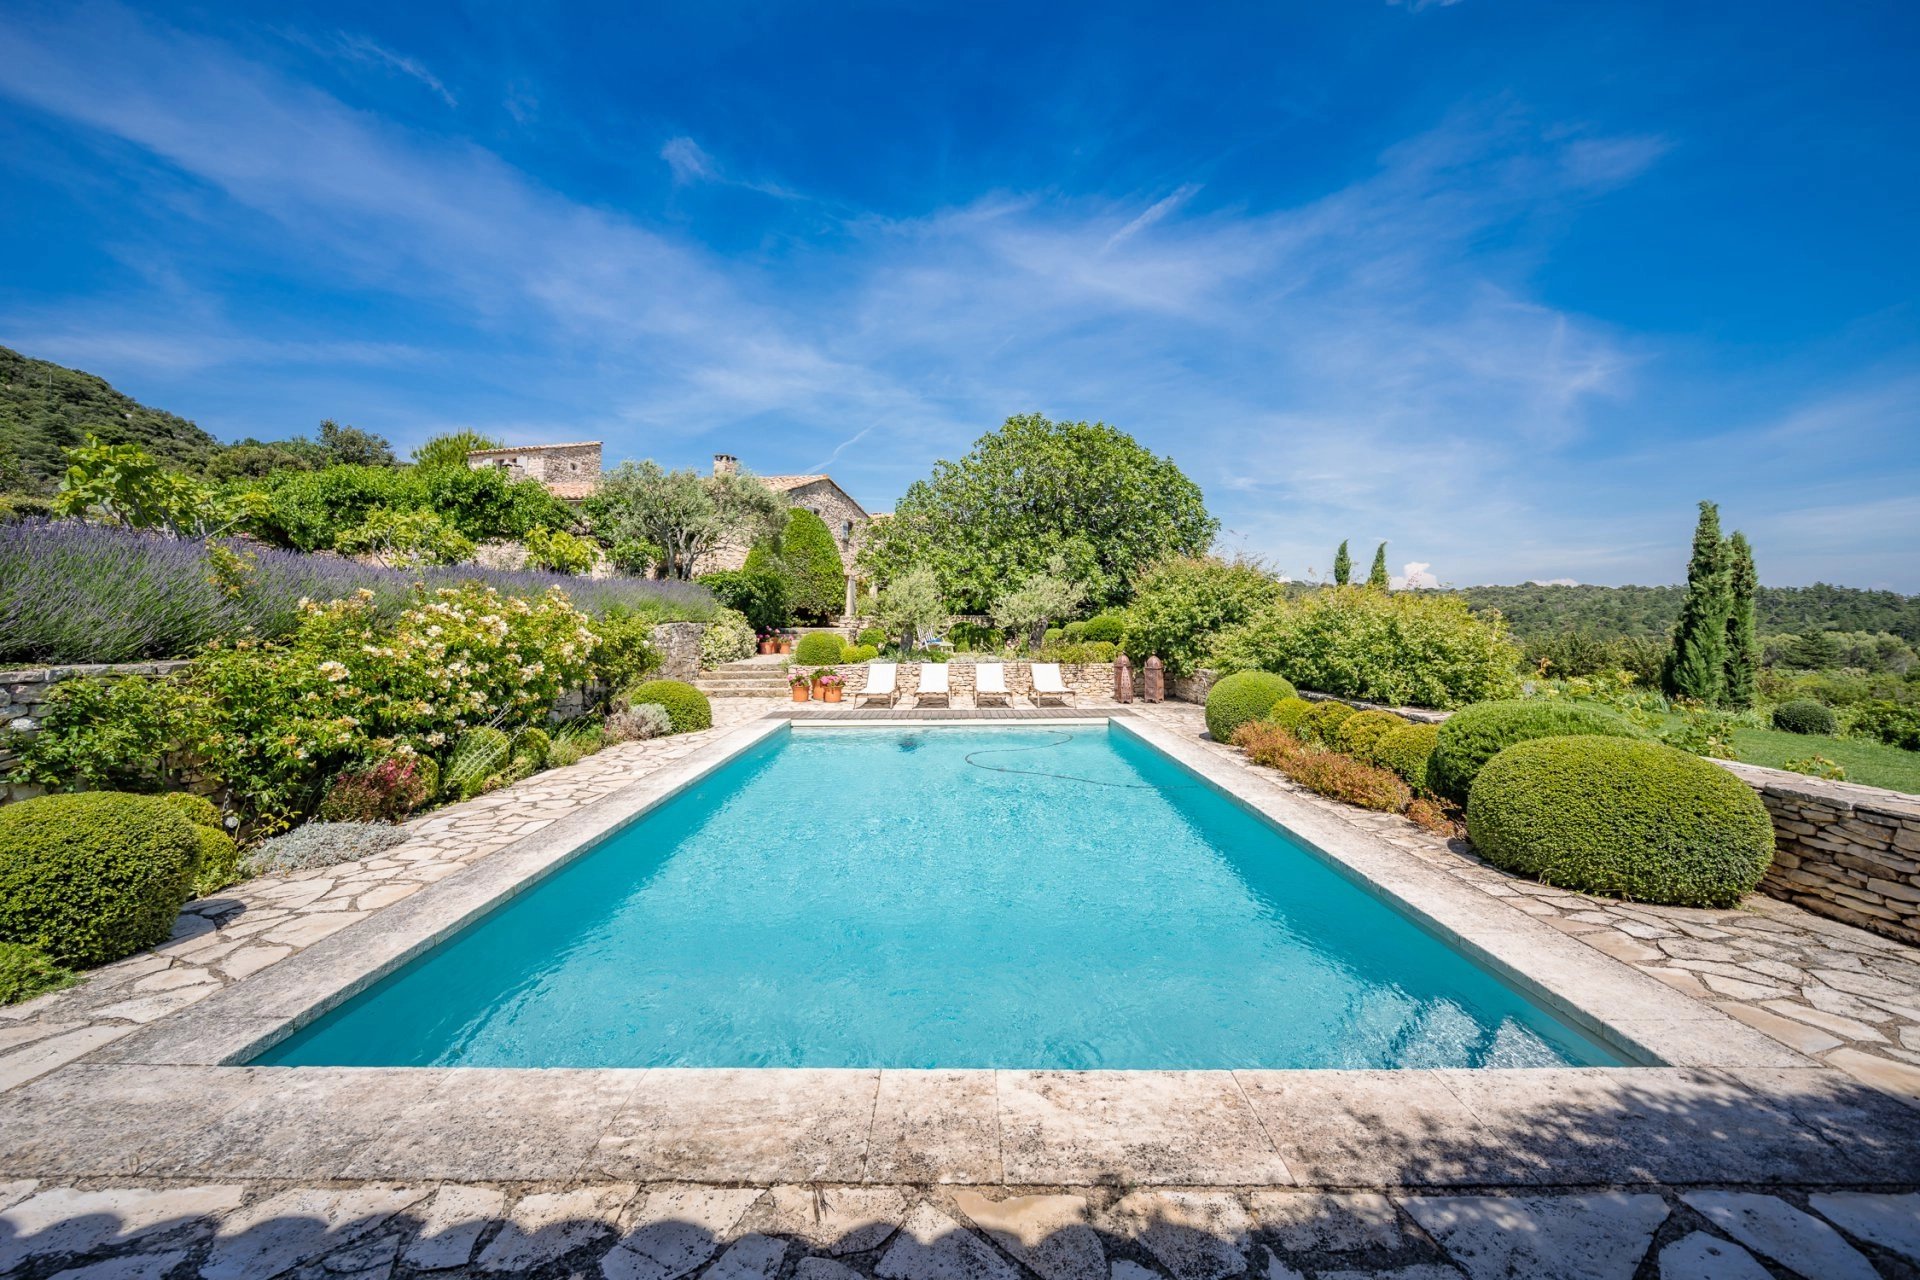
{"type": "Point", "coordinates": [73, 592]}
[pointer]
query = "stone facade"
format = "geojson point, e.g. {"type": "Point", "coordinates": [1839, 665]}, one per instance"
{"type": "Point", "coordinates": [570, 472]}
{"type": "Point", "coordinates": [845, 518]}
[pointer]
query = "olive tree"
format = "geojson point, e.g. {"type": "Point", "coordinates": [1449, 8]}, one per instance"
{"type": "Point", "coordinates": [911, 606]}
{"type": "Point", "coordinates": [1044, 597]}
{"type": "Point", "coordinates": [682, 514]}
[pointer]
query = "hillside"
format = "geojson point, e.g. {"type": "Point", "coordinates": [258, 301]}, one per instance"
{"type": "Point", "coordinates": [45, 407]}
{"type": "Point", "coordinates": [1534, 610]}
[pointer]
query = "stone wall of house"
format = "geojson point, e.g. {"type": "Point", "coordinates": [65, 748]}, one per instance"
{"type": "Point", "coordinates": [548, 463]}
{"type": "Point", "coordinates": [1844, 851]}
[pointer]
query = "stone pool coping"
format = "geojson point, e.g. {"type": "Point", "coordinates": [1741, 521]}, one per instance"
{"type": "Point", "coordinates": [1730, 1102]}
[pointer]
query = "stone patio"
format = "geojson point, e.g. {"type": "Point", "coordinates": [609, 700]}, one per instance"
{"type": "Point", "coordinates": [876, 1174]}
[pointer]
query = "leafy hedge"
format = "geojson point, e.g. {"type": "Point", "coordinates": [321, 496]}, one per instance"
{"type": "Point", "coordinates": [1180, 605]}
{"type": "Point", "coordinates": [1804, 715]}
{"type": "Point", "coordinates": [1895, 723]}
{"type": "Point", "coordinates": [1361, 732]}
{"type": "Point", "coordinates": [1477, 734]}
{"type": "Point", "coordinates": [1406, 751]}
{"type": "Point", "coordinates": [760, 597]}
{"type": "Point", "coordinates": [818, 649]}
{"type": "Point", "coordinates": [92, 877]}
{"type": "Point", "coordinates": [1322, 722]}
{"type": "Point", "coordinates": [686, 706]}
{"type": "Point", "coordinates": [1288, 713]}
{"type": "Point", "coordinates": [1238, 699]}
{"type": "Point", "coordinates": [1329, 773]}
{"type": "Point", "coordinates": [1611, 815]}
{"type": "Point", "coordinates": [1402, 648]}
{"type": "Point", "coordinates": [26, 972]}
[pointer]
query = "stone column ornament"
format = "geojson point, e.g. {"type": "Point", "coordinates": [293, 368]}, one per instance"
{"type": "Point", "coordinates": [1156, 679]}
{"type": "Point", "coordinates": [1122, 679]}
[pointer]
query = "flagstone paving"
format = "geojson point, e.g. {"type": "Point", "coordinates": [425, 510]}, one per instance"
{"type": "Point", "coordinates": [1836, 993]}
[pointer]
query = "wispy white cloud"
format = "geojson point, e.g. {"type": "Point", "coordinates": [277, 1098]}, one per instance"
{"type": "Point", "coordinates": [688, 161]}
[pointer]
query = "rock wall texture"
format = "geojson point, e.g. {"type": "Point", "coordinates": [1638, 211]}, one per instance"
{"type": "Point", "coordinates": [679, 646]}
{"type": "Point", "coordinates": [23, 695]}
{"type": "Point", "coordinates": [1847, 852]}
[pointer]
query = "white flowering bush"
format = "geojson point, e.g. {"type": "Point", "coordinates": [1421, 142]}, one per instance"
{"type": "Point", "coordinates": [349, 685]}
{"type": "Point", "coordinates": [728, 638]}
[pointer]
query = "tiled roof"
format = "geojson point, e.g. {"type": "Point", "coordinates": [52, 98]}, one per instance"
{"type": "Point", "coordinates": [533, 448]}
{"type": "Point", "coordinates": [565, 489]}
{"type": "Point", "coordinates": [784, 483]}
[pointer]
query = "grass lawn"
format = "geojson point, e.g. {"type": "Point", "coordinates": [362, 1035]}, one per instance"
{"type": "Point", "coordinates": [1872, 764]}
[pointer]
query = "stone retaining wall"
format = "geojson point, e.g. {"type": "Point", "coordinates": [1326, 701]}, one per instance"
{"type": "Point", "coordinates": [679, 646]}
{"type": "Point", "coordinates": [1841, 850]}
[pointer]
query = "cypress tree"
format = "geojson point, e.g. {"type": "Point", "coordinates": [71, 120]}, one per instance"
{"type": "Point", "coordinates": [1377, 576]}
{"type": "Point", "coordinates": [805, 556]}
{"type": "Point", "coordinates": [1696, 666]}
{"type": "Point", "coordinates": [1743, 645]}
{"type": "Point", "coordinates": [1342, 565]}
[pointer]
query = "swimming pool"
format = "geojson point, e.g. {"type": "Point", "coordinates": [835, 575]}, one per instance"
{"type": "Point", "coordinates": [1057, 896]}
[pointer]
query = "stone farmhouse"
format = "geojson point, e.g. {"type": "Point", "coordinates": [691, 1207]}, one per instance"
{"type": "Point", "coordinates": [570, 472]}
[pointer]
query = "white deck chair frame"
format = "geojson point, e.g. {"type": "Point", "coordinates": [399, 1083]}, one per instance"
{"type": "Point", "coordinates": [990, 681]}
{"type": "Point", "coordinates": [935, 682]}
{"type": "Point", "coordinates": [1048, 684]}
{"type": "Point", "coordinates": [883, 681]}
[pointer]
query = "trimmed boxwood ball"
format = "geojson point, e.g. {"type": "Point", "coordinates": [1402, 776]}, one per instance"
{"type": "Point", "coordinates": [1638, 820]}
{"type": "Point", "coordinates": [532, 744]}
{"type": "Point", "coordinates": [1323, 721]}
{"type": "Point", "coordinates": [860, 653]}
{"type": "Point", "coordinates": [1476, 734]}
{"type": "Point", "coordinates": [1804, 715]}
{"type": "Point", "coordinates": [874, 636]}
{"type": "Point", "coordinates": [1361, 732]}
{"type": "Point", "coordinates": [1289, 712]}
{"type": "Point", "coordinates": [1110, 627]}
{"type": "Point", "coordinates": [92, 877]}
{"type": "Point", "coordinates": [685, 705]}
{"type": "Point", "coordinates": [1406, 751]}
{"type": "Point", "coordinates": [1241, 697]}
{"type": "Point", "coordinates": [195, 809]}
{"type": "Point", "coordinates": [219, 862]}
{"type": "Point", "coordinates": [818, 649]}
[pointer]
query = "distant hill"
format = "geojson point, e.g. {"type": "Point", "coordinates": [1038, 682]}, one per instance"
{"type": "Point", "coordinates": [1533, 610]}
{"type": "Point", "coordinates": [45, 407]}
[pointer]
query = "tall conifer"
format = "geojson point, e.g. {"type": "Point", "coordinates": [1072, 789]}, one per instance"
{"type": "Point", "coordinates": [1743, 645]}
{"type": "Point", "coordinates": [1377, 577]}
{"type": "Point", "coordinates": [1696, 665]}
{"type": "Point", "coordinates": [1342, 565]}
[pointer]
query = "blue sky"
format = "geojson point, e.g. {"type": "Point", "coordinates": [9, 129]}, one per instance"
{"type": "Point", "coordinates": [1510, 285]}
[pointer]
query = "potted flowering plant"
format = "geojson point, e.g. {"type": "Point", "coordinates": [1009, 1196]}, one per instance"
{"type": "Point", "coordinates": [786, 643]}
{"type": "Point", "coordinates": [827, 684]}
{"type": "Point", "coordinates": [768, 644]}
{"type": "Point", "coordinates": [801, 684]}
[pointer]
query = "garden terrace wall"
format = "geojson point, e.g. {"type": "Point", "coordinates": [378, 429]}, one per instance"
{"type": "Point", "coordinates": [23, 694]}
{"type": "Point", "coordinates": [1844, 851]}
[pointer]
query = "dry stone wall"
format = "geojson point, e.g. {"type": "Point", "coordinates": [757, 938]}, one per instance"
{"type": "Point", "coordinates": [1844, 851]}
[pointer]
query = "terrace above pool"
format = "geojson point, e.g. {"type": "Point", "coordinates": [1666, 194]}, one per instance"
{"type": "Point", "coordinates": [964, 896]}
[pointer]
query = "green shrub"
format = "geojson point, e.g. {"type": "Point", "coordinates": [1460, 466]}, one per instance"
{"type": "Point", "coordinates": [1818, 767]}
{"type": "Point", "coordinates": [91, 877]}
{"type": "Point", "coordinates": [807, 558]}
{"type": "Point", "coordinates": [686, 706]}
{"type": "Point", "coordinates": [385, 791]}
{"type": "Point", "coordinates": [1323, 721]}
{"type": "Point", "coordinates": [1612, 815]}
{"type": "Point", "coordinates": [321, 844]}
{"type": "Point", "coordinates": [1073, 632]}
{"type": "Point", "coordinates": [195, 809]}
{"type": "Point", "coordinates": [728, 638]}
{"type": "Point", "coordinates": [1053, 637]}
{"type": "Point", "coordinates": [1289, 712]}
{"type": "Point", "coordinates": [1359, 733]}
{"type": "Point", "coordinates": [533, 744]}
{"type": "Point", "coordinates": [219, 862]}
{"type": "Point", "coordinates": [626, 652]}
{"type": "Point", "coordinates": [1399, 648]}
{"type": "Point", "coordinates": [1804, 715]}
{"type": "Point", "coordinates": [1180, 606]}
{"type": "Point", "coordinates": [1328, 772]}
{"type": "Point", "coordinates": [860, 653]}
{"type": "Point", "coordinates": [1473, 736]}
{"type": "Point", "coordinates": [1084, 651]}
{"type": "Point", "coordinates": [558, 551]}
{"type": "Point", "coordinates": [1895, 723]}
{"type": "Point", "coordinates": [1406, 751]}
{"type": "Point", "coordinates": [819, 649]}
{"type": "Point", "coordinates": [1241, 698]}
{"type": "Point", "coordinates": [478, 757]}
{"type": "Point", "coordinates": [25, 972]}
{"type": "Point", "coordinates": [132, 733]}
{"type": "Point", "coordinates": [873, 636]}
{"type": "Point", "coordinates": [1109, 628]}
{"type": "Point", "coordinates": [574, 744]}
{"type": "Point", "coordinates": [760, 597]}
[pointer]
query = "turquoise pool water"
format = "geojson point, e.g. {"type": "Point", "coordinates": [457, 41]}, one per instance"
{"type": "Point", "coordinates": [945, 897]}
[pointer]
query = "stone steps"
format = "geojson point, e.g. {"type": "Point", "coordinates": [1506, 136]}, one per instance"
{"type": "Point", "coordinates": [750, 679]}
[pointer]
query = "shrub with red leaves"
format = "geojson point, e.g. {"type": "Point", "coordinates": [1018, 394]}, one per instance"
{"type": "Point", "coordinates": [386, 792]}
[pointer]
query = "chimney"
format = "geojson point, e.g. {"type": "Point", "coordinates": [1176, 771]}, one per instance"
{"type": "Point", "coordinates": [725, 464]}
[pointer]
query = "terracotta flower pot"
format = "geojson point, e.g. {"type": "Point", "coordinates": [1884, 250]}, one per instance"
{"type": "Point", "coordinates": [831, 693]}
{"type": "Point", "coordinates": [786, 646]}
{"type": "Point", "coordinates": [767, 646]}
{"type": "Point", "coordinates": [801, 693]}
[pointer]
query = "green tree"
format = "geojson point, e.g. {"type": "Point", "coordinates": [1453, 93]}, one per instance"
{"type": "Point", "coordinates": [805, 556]}
{"type": "Point", "coordinates": [405, 539]}
{"type": "Point", "coordinates": [352, 447]}
{"type": "Point", "coordinates": [1047, 596]}
{"type": "Point", "coordinates": [912, 606]}
{"type": "Point", "coordinates": [1181, 604]}
{"type": "Point", "coordinates": [682, 514]}
{"type": "Point", "coordinates": [1085, 491]}
{"type": "Point", "coordinates": [1743, 645]}
{"type": "Point", "coordinates": [1814, 651]}
{"type": "Point", "coordinates": [1697, 664]}
{"type": "Point", "coordinates": [451, 449]}
{"type": "Point", "coordinates": [123, 484]}
{"type": "Point", "coordinates": [1377, 576]}
{"type": "Point", "coordinates": [1342, 565]}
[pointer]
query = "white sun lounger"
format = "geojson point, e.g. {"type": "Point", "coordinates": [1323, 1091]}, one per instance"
{"type": "Point", "coordinates": [881, 682]}
{"type": "Point", "coordinates": [934, 679]}
{"type": "Point", "coordinates": [990, 681]}
{"type": "Point", "coordinates": [1048, 684]}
